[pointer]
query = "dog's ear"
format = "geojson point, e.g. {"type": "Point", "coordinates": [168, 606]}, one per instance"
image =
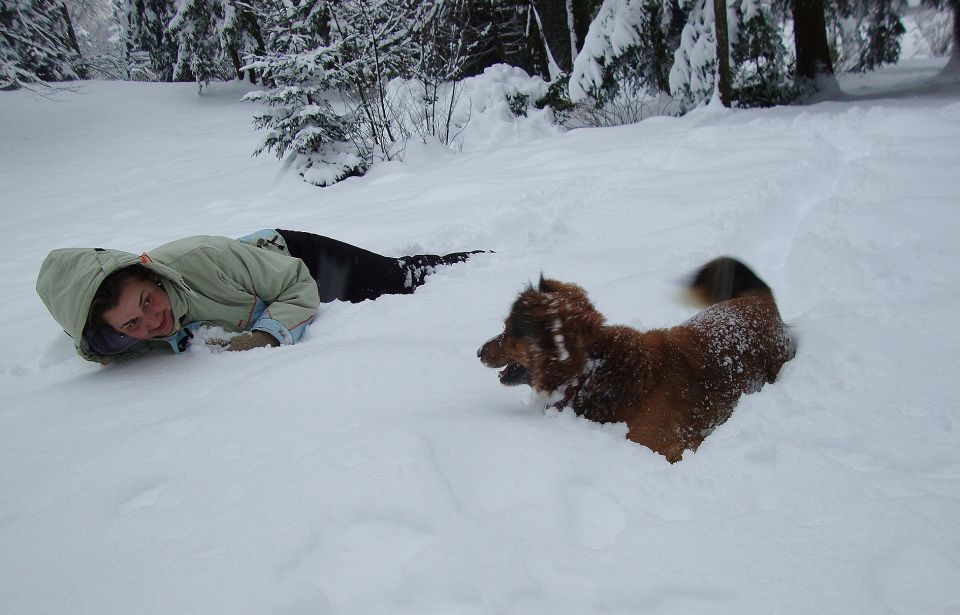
{"type": "Point", "coordinates": [542, 284]}
{"type": "Point", "coordinates": [548, 286]}
{"type": "Point", "coordinates": [520, 323]}
{"type": "Point", "coordinates": [526, 314]}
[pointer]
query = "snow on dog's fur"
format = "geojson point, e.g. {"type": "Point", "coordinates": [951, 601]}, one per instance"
{"type": "Point", "coordinates": [670, 386]}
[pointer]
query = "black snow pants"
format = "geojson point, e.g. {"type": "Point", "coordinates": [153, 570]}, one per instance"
{"type": "Point", "coordinates": [348, 273]}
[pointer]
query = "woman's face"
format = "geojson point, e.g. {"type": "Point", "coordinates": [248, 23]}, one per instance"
{"type": "Point", "coordinates": [142, 312]}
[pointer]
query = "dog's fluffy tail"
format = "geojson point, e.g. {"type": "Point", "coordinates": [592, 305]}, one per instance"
{"type": "Point", "coordinates": [726, 278]}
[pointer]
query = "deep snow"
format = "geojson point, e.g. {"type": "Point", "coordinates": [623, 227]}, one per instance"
{"type": "Point", "coordinates": [377, 467]}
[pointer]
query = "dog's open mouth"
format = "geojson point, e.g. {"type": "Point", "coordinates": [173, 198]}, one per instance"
{"type": "Point", "coordinates": [514, 374]}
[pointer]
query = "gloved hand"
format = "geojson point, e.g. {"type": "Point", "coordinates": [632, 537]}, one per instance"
{"type": "Point", "coordinates": [246, 341]}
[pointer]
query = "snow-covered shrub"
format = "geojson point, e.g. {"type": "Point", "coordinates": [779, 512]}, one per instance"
{"type": "Point", "coordinates": [557, 98]}
{"type": "Point", "coordinates": [480, 115]}
{"type": "Point", "coordinates": [355, 80]}
{"type": "Point", "coordinates": [326, 140]}
{"type": "Point", "coordinates": [302, 123]}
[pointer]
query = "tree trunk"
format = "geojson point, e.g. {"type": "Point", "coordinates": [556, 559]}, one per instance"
{"type": "Point", "coordinates": [253, 27]}
{"type": "Point", "coordinates": [723, 51]}
{"type": "Point", "coordinates": [810, 39]}
{"type": "Point", "coordinates": [571, 25]}
{"type": "Point", "coordinates": [551, 19]}
{"type": "Point", "coordinates": [955, 4]}
{"type": "Point", "coordinates": [551, 64]}
{"type": "Point", "coordinates": [72, 35]}
{"type": "Point", "coordinates": [951, 71]}
{"type": "Point", "coordinates": [235, 59]}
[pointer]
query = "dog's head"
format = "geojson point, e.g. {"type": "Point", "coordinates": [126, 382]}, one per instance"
{"type": "Point", "coordinates": [546, 338]}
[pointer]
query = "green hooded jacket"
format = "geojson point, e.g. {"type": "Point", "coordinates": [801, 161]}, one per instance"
{"type": "Point", "coordinates": [210, 280]}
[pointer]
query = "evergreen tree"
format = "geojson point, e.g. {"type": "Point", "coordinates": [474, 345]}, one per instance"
{"type": "Point", "coordinates": [299, 121]}
{"type": "Point", "coordinates": [628, 47]}
{"type": "Point", "coordinates": [148, 33]}
{"type": "Point", "coordinates": [332, 63]}
{"type": "Point", "coordinates": [882, 45]}
{"type": "Point", "coordinates": [869, 32]}
{"type": "Point", "coordinates": [763, 70]}
{"type": "Point", "coordinates": [196, 28]}
{"type": "Point", "coordinates": [695, 60]}
{"type": "Point", "coordinates": [212, 36]}
{"type": "Point", "coordinates": [99, 34]}
{"type": "Point", "coordinates": [37, 43]}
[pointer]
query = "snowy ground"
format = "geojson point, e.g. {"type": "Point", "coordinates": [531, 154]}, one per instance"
{"type": "Point", "coordinates": [378, 468]}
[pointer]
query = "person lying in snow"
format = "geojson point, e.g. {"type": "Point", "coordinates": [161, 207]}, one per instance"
{"type": "Point", "coordinates": [116, 305]}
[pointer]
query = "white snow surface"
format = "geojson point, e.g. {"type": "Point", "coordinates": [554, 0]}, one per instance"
{"type": "Point", "coordinates": [377, 467]}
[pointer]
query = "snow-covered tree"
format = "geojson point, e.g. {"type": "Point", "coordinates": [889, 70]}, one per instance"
{"type": "Point", "coordinates": [936, 28]}
{"type": "Point", "coordinates": [628, 47]}
{"type": "Point", "coordinates": [952, 70]}
{"type": "Point", "coordinates": [148, 32]}
{"type": "Point", "coordinates": [376, 41]}
{"type": "Point", "coordinates": [762, 68]}
{"type": "Point", "coordinates": [212, 36]}
{"type": "Point", "coordinates": [866, 33]}
{"type": "Point", "coordinates": [299, 121]}
{"type": "Point", "coordinates": [37, 43]}
{"type": "Point", "coordinates": [694, 65]}
{"type": "Point", "coordinates": [331, 64]}
{"type": "Point", "coordinates": [197, 28]}
{"type": "Point", "coordinates": [100, 30]}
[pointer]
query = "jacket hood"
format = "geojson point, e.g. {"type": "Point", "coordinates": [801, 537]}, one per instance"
{"type": "Point", "coordinates": [69, 279]}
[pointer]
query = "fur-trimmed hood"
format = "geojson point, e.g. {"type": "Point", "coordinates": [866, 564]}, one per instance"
{"type": "Point", "coordinates": [223, 282]}
{"type": "Point", "coordinates": [69, 279]}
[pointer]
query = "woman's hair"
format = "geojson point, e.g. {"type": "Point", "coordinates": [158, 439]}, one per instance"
{"type": "Point", "coordinates": [109, 292]}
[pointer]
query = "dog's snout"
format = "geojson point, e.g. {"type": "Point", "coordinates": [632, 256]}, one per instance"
{"type": "Point", "coordinates": [491, 353]}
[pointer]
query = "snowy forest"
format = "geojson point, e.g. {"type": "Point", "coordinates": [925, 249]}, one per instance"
{"type": "Point", "coordinates": [377, 466]}
{"type": "Point", "coordinates": [347, 83]}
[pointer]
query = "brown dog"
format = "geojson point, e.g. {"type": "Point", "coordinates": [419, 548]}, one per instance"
{"type": "Point", "coordinates": [670, 386]}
